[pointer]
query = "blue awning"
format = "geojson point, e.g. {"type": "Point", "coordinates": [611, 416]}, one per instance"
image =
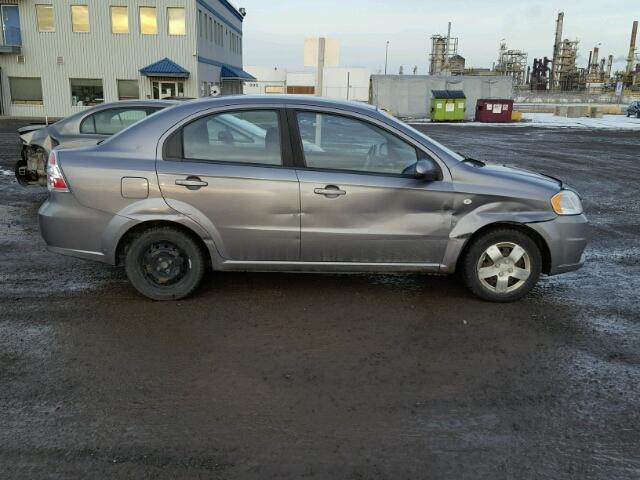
{"type": "Point", "coordinates": [227, 72]}
{"type": "Point", "coordinates": [164, 68]}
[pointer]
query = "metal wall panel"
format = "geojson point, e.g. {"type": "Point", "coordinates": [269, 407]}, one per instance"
{"type": "Point", "coordinates": [102, 54]}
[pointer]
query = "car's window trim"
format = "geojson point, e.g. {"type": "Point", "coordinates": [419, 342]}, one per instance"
{"type": "Point", "coordinates": [298, 148]}
{"type": "Point", "coordinates": [286, 156]}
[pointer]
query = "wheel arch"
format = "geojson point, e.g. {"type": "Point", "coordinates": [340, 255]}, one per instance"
{"type": "Point", "coordinates": [530, 232]}
{"type": "Point", "coordinates": [138, 228]}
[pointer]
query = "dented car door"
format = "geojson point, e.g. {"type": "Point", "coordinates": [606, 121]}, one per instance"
{"type": "Point", "coordinates": [360, 201]}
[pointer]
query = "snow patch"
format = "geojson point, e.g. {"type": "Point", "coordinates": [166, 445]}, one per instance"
{"type": "Point", "coordinates": [6, 172]}
{"type": "Point", "coordinates": [549, 120]}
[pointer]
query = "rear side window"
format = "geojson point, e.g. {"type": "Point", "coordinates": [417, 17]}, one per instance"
{"type": "Point", "coordinates": [111, 121]}
{"type": "Point", "coordinates": [237, 137]}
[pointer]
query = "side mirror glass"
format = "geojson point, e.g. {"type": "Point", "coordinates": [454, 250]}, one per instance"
{"type": "Point", "coordinates": [427, 169]}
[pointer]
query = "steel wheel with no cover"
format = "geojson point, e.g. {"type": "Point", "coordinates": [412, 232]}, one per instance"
{"type": "Point", "coordinates": [164, 263]}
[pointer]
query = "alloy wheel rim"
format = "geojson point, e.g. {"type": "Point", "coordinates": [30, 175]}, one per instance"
{"type": "Point", "coordinates": [164, 264]}
{"type": "Point", "coordinates": [504, 267]}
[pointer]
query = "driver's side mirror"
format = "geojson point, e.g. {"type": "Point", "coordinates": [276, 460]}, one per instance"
{"type": "Point", "coordinates": [427, 170]}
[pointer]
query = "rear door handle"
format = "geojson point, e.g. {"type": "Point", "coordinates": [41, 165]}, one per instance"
{"type": "Point", "coordinates": [330, 191]}
{"type": "Point", "coordinates": [192, 183]}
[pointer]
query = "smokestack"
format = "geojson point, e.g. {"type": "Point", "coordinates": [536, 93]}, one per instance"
{"type": "Point", "coordinates": [556, 50]}
{"type": "Point", "coordinates": [596, 51]}
{"type": "Point", "coordinates": [632, 47]}
{"type": "Point", "coordinates": [609, 66]}
{"type": "Point", "coordinates": [589, 63]}
{"type": "Point", "coordinates": [446, 48]}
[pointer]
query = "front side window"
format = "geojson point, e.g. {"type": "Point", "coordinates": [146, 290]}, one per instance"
{"type": "Point", "coordinates": [26, 90]}
{"type": "Point", "coordinates": [342, 143]}
{"type": "Point", "coordinates": [148, 21]}
{"type": "Point", "coordinates": [80, 18]}
{"type": "Point", "coordinates": [119, 20]}
{"type": "Point", "coordinates": [128, 90]}
{"type": "Point", "coordinates": [176, 18]}
{"type": "Point", "coordinates": [86, 91]}
{"type": "Point", "coordinates": [44, 18]}
{"type": "Point", "coordinates": [238, 137]}
{"type": "Point", "coordinates": [111, 121]}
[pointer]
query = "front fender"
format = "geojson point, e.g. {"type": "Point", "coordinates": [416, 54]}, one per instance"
{"type": "Point", "coordinates": [466, 223]}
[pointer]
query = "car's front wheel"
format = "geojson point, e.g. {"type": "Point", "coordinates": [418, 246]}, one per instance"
{"type": "Point", "coordinates": [164, 263]}
{"type": "Point", "coordinates": [501, 265]}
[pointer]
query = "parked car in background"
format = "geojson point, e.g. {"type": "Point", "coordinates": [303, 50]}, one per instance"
{"type": "Point", "coordinates": [634, 109]}
{"type": "Point", "coordinates": [87, 127]}
{"type": "Point", "coordinates": [287, 183]}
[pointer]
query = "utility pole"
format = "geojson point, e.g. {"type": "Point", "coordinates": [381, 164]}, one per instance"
{"type": "Point", "coordinates": [348, 83]}
{"type": "Point", "coordinates": [386, 58]}
{"type": "Point", "coordinates": [320, 67]}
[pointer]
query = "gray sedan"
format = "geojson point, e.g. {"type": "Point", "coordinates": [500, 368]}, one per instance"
{"type": "Point", "coordinates": [86, 127]}
{"type": "Point", "coordinates": [319, 185]}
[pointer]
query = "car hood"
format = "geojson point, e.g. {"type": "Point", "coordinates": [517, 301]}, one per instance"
{"type": "Point", "coordinates": [517, 172]}
{"type": "Point", "coordinates": [26, 133]}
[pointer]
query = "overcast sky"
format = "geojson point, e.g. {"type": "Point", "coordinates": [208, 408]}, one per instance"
{"type": "Point", "coordinates": [274, 31]}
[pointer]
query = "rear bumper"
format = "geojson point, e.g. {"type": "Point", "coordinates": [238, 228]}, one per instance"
{"type": "Point", "coordinates": [72, 229]}
{"type": "Point", "coordinates": [566, 236]}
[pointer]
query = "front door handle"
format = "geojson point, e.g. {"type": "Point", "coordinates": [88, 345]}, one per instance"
{"type": "Point", "coordinates": [330, 191]}
{"type": "Point", "coordinates": [192, 183]}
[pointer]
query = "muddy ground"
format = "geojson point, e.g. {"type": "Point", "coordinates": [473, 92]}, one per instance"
{"type": "Point", "coordinates": [328, 376]}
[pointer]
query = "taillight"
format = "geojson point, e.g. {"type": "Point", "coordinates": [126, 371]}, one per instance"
{"type": "Point", "coordinates": [55, 179]}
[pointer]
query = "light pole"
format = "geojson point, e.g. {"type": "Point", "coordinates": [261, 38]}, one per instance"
{"type": "Point", "coordinates": [386, 58]}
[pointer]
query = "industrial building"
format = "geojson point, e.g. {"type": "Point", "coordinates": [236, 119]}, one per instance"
{"type": "Point", "coordinates": [59, 56]}
{"type": "Point", "coordinates": [560, 73]}
{"type": "Point", "coordinates": [410, 96]}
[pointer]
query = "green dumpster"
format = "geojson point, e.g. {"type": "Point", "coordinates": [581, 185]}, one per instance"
{"type": "Point", "coordinates": [448, 105]}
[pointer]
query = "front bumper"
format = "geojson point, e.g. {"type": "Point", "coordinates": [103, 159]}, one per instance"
{"type": "Point", "coordinates": [566, 236]}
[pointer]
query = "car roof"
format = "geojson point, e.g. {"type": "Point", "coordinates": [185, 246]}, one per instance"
{"type": "Point", "coordinates": [205, 103]}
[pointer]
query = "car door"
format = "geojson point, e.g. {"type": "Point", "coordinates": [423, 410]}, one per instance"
{"type": "Point", "coordinates": [360, 201]}
{"type": "Point", "coordinates": [232, 172]}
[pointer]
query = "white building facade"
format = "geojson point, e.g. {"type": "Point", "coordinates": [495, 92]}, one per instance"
{"type": "Point", "coordinates": [345, 83]}
{"type": "Point", "coordinates": [59, 56]}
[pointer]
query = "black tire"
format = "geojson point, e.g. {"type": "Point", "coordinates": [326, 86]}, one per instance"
{"type": "Point", "coordinates": [469, 265]}
{"type": "Point", "coordinates": [181, 256]}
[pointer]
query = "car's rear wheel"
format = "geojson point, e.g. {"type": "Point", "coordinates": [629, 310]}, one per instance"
{"type": "Point", "coordinates": [164, 263]}
{"type": "Point", "coordinates": [501, 265]}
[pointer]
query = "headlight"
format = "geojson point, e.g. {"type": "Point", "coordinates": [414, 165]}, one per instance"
{"type": "Point", "coordinates": [566, 202]}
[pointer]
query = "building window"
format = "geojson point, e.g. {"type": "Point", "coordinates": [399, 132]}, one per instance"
{"type": "Point", "coordinates": [176, 19]}
{"type": "Point", "coordinates": [271, 88]}
{"type": "Point", "coordinates": [148, 21]}
{"type": "Point", "coordinates": [119, 19]}
{"type": "Point", "coordinates": [210, 30]}
{"type": "Point", "coordinates": [44, 18]}
{"type": "Point", "coordinates": [86, 91]}
{"type": "Point", "coordinates": [128, 90]}
{"type": "Point", "coordinates": [26, 90]}
{"type": "Point", "coordinates": [80, 18]}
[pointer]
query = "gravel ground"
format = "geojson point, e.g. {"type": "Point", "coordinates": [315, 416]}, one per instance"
{"type": "Point", "coordinates": [331, 376]}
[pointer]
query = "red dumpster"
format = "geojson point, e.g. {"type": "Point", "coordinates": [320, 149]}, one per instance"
{"type": "Point", "coordinates": [496, 110]}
